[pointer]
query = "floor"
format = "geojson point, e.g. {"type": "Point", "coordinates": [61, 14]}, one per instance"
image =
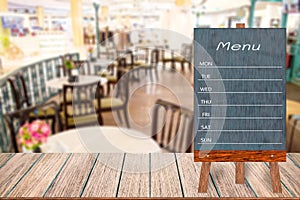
{"type": "Point", "coordinates": [136, 175]}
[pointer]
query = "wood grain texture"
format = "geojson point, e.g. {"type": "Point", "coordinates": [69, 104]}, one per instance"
{"type": "Point", "coordinates": [164, 176]}
{"type": "Point", "coordinates": [73, 176]}
{"type": "Point", "coordinates": [290, 176]}
{"type": "Point", "coordinates": [259, 178]}
{"type": "Point", "coordinates": [14, 170]}
{"type": "Point", "coordinates": [37, 180]}
{"type": "Point", "coordinates": [240, 173]}
{"type": "Point", "coordinates": [190, 173]}
{"type": "Point", "coordinates": [204, 176]}
{"type": "Point", "coordinates": [135, 178]}
{"type": "Point", "coordinates": [104, 179]}
{"type": "Point", "coordinates": [275, 177]}
{"type": "Point", "coordinates": [240, 156]}
{"type": "Point", "coordinates": [4, 157]}
{"type": "Point", "coordinates": [295, 157]}
{"type": "Point", "coordinates": [223, 174]}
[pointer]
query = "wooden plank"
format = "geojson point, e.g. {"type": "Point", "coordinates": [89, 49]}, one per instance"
{"type": "Point", "coordinates": [295, 157]}
{"type": "Point", "coordinates": [14, 170]}
{"type": "Point", "coordinates": [38, 179]}
{"type": "Point", "coordinates": [165, 181]}
{"type": "Point", "coordinates": [73, 176]}
{"type": "Point", "coordinates": [135, 176]}
{"type": "Point", "coordinates": [240, 156]}
{"type": "Point", "coordinates": [240, 173]}
{"type": "Point", "coordinates": [223, 175]}
{"type": "Point", "coordinates": [275, 177]}
{"type": "Point", "coordinates": [189, 173]}
{"type": "Point", "coordinates": [4, 157]}
{"type": "Point", "coordinates": [259, 179]}
{"type": "Point", "coordinates": [204, 176]}
{"type": "Point", "coordinates": [290, 176]}
{"type": "Point", "coordinates": [105, 176]}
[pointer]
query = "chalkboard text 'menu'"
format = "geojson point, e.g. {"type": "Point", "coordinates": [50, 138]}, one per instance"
{"type": "Point", "coordinates": [238, 47]}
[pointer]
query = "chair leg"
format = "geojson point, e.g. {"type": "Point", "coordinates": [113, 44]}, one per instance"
{"type": "Point", "coordinates": [151, 75]}
{"type": "Point", "coordinates": [126, 118]}
{"type": "Point", "coordinates": [119, 116]}
{"type": "Point", "coordinates": [190, 66]}
{"type": "Point", "coordinates": [156, 73]}
{"type": "Point", "coordinates": [182, 67]}
{"type": "Point", "coordinates": [100, 119]}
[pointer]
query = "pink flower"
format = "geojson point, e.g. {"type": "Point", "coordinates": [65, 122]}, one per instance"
{"type": "Point", "coordinates": [45, 129]}
{"type": "Point", "coordinates": [33, 127]}
{"type": "Point", "coordinates": [29, 143]}
{"type": "Point", "coordinates": [34, 134]}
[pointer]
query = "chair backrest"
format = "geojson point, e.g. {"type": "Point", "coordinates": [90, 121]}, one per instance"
{"type": "Point", "coordinates": [85, 101]}
{"type": "Point", "coordinates": [131, 57]}
{"type": "Point", "coordinates": [122, 63]}
{"type": "Point", "coordinates": [121, 90]}
{"type": "Point", "coordinates": [154, 56]}
{"type": "Point", "coordinates": [60, 68]}
{"type": "Point", "coordinates": [48, 112]}
{"type": "Point", "coordinates": [83, 66]}
{"type": "Point", "coordinates": [172, 128]}
{"type": "Point", "coordinates": [19, 91]}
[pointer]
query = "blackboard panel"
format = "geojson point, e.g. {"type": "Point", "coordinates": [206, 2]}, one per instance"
{"type": "Point", "coordinates": [239, 84]}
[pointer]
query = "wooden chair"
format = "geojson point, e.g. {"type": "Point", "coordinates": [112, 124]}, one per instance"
{"type": "Point", "coordinates": [19, 91]}
{"type": "Point", "coordinates": [83, 66]}
{"type": "Point", "coordinates": [14, 120]}
{"type": "Point", "coordinates": [119, 101]}
{"type": "Point", "coordinates": [22, 101]}
{"type": "Point", "coordinates": [111, 76]}
{"type": "Point", "coordinates": [184, 57]}
{"type": "Point", "coordinates": [173, 128]}
{"type": "Point", "coordinates": [153, 64]}
{"type": "Point", "coordinates": [84, 107]}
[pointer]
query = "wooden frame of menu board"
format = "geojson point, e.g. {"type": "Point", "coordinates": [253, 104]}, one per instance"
{"type": "Point", "coordinates": [273, 152]}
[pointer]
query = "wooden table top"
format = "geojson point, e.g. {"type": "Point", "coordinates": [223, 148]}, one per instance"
{"type": "Point", "coordinates": [115, 175]}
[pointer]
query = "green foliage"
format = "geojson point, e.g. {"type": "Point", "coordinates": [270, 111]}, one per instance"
{"type": "Point", "coordinates": [69, 64]}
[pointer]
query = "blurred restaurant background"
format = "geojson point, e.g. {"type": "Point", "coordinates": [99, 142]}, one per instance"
{"type": "Point", "coordinates": [51, 70]}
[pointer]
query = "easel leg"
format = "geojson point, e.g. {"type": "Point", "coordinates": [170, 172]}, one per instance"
{"type": "Point", "coordinates": [204, 175]}
{"type": "Point", "coordinates": [275, 177]}
{"type": "Point", "coordinates": [239, 172]}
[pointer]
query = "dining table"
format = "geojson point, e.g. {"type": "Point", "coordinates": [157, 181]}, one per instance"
{"type": "Point", "coordinates": [58, 83]}
{"type": "Point", "coordinates": [100, 139]}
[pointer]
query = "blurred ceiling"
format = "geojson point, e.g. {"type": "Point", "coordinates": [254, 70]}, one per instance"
{"type": "Point", "coordinates": [130, 7]}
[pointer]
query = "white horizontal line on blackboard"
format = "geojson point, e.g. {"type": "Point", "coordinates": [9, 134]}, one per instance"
{"type": "Point", "coordinates": [239, 117]}
{"type": "Point", "coordinates": [275, 79]}
{"type": "Point", "coordinates": [243, 130]}
{"type": "Point", "coordinates": [240, 92]}
{"type": "Point", "coordinates": [240, 67]}
{"type": "Point", "coordinates": [239, 143]}
{"type": "Point", "coordinates": [239, 105]}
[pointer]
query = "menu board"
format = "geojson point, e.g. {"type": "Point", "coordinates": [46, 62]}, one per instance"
{"type": "Point", "coordinates": [239, 104]}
